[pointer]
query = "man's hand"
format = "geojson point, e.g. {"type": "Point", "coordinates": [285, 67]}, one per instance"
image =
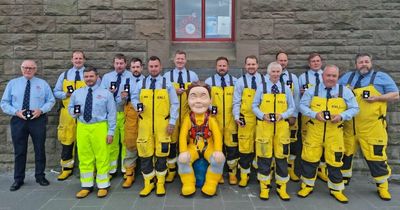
{"type": "Point", "coordinates": [109, 139]}
{"type": "Point", "coordinates": [320, 117]}
{"type": "Point", "coordinates": [239, 123]}
{"type": "Point", "coordinates": [68, 94]}
{"type": "Point", "coordinates": [184, 157]}
{"type": "Point", "coordinates": [336, 118]}
{"type": "Point", "coordinates": [372, 99]}
{"type": "Point", "coordinates": [124, 95]}
{"type": "Point", "coordinates": [179, 91]}
{"type": "Point", "coordinates": [36, 113]}
{"type": "Point", "coordinates": [20, 114]}
{"type": "Point", "coordinates": [170, 129]}
{"type": "Point", "coordinates": [292, 120]}
{"type": "Point", "coordinates": [219, 156]}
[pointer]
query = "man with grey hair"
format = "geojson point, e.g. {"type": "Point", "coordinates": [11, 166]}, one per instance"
{"type": "Point", "coordinates": [327, 106]}
{"type": "Point", "coordinates": [373, 90]}
{"type": "Point", "coordinates": [28, 119]}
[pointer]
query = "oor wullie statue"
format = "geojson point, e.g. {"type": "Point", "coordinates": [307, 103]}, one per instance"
{"type": "Point", "coordinates": [273, 104]}
{"type": "Point", "coordinates": [200, 137]}
{"type": "Point", "coordinates": [372, 89]}
{"type": "Point", "coordinates": [67, 83]}
{"type": "Point", "coordinates": [155, 99]}
{"type": "Point", "coordinates": [327, 106]}
{"type": "Point", "coordinates": [222, 87]}
{"type": "Point", "coordinates": [181, 78]}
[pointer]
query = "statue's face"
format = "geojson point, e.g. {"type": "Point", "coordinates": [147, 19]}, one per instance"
{"type": "Point", "coordinates": [199, 100]}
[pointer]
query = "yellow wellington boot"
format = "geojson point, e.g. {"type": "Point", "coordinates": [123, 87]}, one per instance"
{"type": "Point", "coordinates": [383, 191]}
{"type": "Point", "coordinates": [65, 173]}
{"type": "Point", "coordinates": [281, 190]}
{"type": "Point", "coordinates": [339, 196]}
{"type": "Point", "coordinates": [305, 190]}
{"type": "Point", "coordinates": [188, 184]}
{"type": "Point", "coordinates": [148, 184]}
{"type": "Point", "coordinates": [171, 172]}
{"type": "Point", "coordinates": [210, 185]}
{"type": "Point", "coordinates": [130, 177]}
{"type": "Point", "coordinates": [83, 193]}
{"type": "Point", "coordinates": [291, 172]}
{"type": "Point", "coordinates": [264, 190]}
{"type": "Point", "coordinates": [322, 173]}
{"type": "Point", "coordinates": [244, 179]}
{"type": "Point", "coordinates": [160, 189]}
{"type": "Point", "coordinates": [232, 176]}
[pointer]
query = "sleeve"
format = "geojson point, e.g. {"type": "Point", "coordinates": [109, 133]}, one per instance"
{"type": "Point", "coordinates": [49, 99]}
{"type": "Point", "coordinates": [6, 101]}
{"type": "Point", "coordinates": [296, 96]}
{"type": "Point", "coordinates": [135, 94]}
{"type": "Point", "coordinates": [174, 104]}
{"type": "Point", "coordinates": [58, 88]}
{"type": "Point", "coordinates": [104, 82]}
{"type": "Point", "coordinates": [183, 134]}
{"type": "Point", "coordinates": [389, 85]}
{"type": "Point", "coordinates": [237, 99]}
{"type": "Point", "coordinates": [216, 133]}
{"type": "Point", "coordinates": [291, 106]}
{"type": "Point", "coordinates": [112, 113]}
{"type": "Point", "coordinates": [305, 103]}
{"type": "Point", "coordinates": [256, 103]}
{"type": "Point", "coordinates": [72, 104]}
{"type": "Point", "coordinates": [194, 77]}
{"type": "Point", "coordinates": [208, 81]}
{"type": "Point", "coordinates": [352, 105]}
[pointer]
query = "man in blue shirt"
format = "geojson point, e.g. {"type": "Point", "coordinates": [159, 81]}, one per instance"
{"type": "Point", "coordinates": [27, 99]}
{"type": "Point", "coordinates": [373, 90]}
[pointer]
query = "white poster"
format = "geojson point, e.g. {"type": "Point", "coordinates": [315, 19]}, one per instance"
{"type": "Point", "coordinates": [224, 25]}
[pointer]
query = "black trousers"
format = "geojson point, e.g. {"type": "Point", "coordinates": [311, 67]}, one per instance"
{"type": "Point", "coordinates": [20, 131]}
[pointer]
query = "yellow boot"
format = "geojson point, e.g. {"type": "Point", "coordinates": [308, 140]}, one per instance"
{"type": "Point", "coordinates": [65, 173]}
{"type": "Point", "coordinates": [383, 191]}
{"type": "Point", "coordinates": [322, 173]}
{"type": "Point", "coordinates": [291, 172]}
{"type": "Point", "coordinates": [305, 190]}
{"type": "Point", "coordinates": [264, 190]}
{"type": "Point", "coordinates": [244, 179]}
{"type": "Point", "coordinates": [83, 193]}
{"type": "Point", "coordinates": [281, 190]}
{"type": "Point", "coordinates": [210, 185]}
{"type": "Point", "coordinates": [102, 192]}
{"type": "Point", "coordinates": [188, 184]}
{"type": "Point", "coordinates": [171, 172]}
{"type": "Point", "coordinates": [160, 189]}
{"type": "Point", "coordinates": [130, 177]}
{"type": "Point", "coordinates": [232, 176]}
{"type": "Point", "coordinates": [339, 196]}
{"type": "Point", "coordinates": [148, 184]}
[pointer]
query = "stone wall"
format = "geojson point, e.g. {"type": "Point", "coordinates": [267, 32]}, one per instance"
{"type": "Point", "coordinates": [48, 30]}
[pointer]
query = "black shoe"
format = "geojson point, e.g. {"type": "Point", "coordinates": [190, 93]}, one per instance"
{"type": "Point", "coordinates": [43, 181]}
{"type": "Point", "coordinates": [16, 185]}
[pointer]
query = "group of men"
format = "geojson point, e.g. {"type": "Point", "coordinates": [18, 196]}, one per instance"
{"type": "Point", "coordinates": [127, 115]}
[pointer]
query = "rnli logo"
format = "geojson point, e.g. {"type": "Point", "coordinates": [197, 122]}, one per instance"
{"type": "Point", "coordinates": [160, 97]}
{"type": "Point", "coordinates": [228, 94]}
{"type": "Point", "coordinates": [145, 96]}
{"type": "Point", "coordinates": [281, 102]}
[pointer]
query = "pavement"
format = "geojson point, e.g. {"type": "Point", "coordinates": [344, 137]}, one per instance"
{"type": "Point", "coordinates": [61, 195]}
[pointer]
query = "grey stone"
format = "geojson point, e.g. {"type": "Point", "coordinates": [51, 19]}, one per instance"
{"type": "Point", "coordinates": [7, 1]}
{"type": "Point", "coordinates": [33, 10]}
{"type": "Point", "coordinates": [11, 9]}
{"type": "Point", "coordinates": [30, 2]}
{"type": "Point", "coordinates": [310, 17]}
{"type": "Point", "coordinates": [54, 42]}
{"type": "Point", "coordinates": [293, 31]}
{"type": "Point", "coordinates": [6, 52]}
{"type": "Point", "coordinates": [70, 19]}
{"type": "Point", "coordinates": [68, 28]}
{"type": "Point", "coordinates": [32, 24]}
{"type": "Point", "coordinates": [105, 16]}
{"type": "Point", "coordinates": [83, 44]}
{"type": "Point", "coordinates": [345, 20]}
{"type": "Point", "coordinates": [272, 5]}
{"type": "Point", "coordinates": [139, 14]}
{"type": "Point", "coordinates": [33, 54]}
{"type": "Point", "coordinates": [138, 4]}
{"type": "Point", "coordinates": [93, 28]}
{"type": "Point", "coordinates": [134, 45]}
{"type": "Point", "coordinates": [120, 31]}
{"type": "Point", "coordinates": [95, 4]}
{"type": "Point", "coordinates": [255, 29]}
{"type": "Point", "coordinates": [60, 7]}
{"type": "Point", "coordinates": [333, 5]}
{"type": "Point", "coordinates": [299, 5]}
{"type": "Point", "coordinates": [89, 36]}
{"type": "Point", "coordinates": [150, 29]}
{"type": "Point", "coordinates": [376, 23]}
{"type": "Point", "coordinates": [387, 37]}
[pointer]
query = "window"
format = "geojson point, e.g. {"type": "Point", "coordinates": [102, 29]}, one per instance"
{"type": "Point", "coordinates": [203, 20]}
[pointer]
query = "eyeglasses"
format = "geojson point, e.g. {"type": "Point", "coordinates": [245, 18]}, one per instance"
{"type": "Point", "coordinates": [26, 68]}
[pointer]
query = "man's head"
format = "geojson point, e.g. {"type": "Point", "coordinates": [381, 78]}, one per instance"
{"type": "Point", "coordinates": [154, 66]}
{"type": "Point", "coordinates": [251, 64]}
{"type": "Point", "coordinates": [363, 62]}
{"type": "Point", "coordinates": [119, 63]}
{"type": "Point", "coordinates": [136, 66]}
{"type": "Point", "coordinates": [222, 66]}
{"type": "Point", "coordinates": [315, 61]}
{"type": "Point", "coordinates": [282, 59]}
{"type": "Point", "coordinates": [90, 75]}
{"type": "Point", "coordinates": [28, 68]}
{"type": "Point", "coordinates": [274, 71]}
{"type": "Point", "coordinates": [180, 59]}
{"type": "Point", "coordinates": [199, 98]}
{"type": "Point", "coordinates": [78, 58]}
{"type": "Point", "coordinates": [330, 75]}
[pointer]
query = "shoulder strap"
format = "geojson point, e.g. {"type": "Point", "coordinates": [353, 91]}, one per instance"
{"type": "Point", "coordinates": [245, 81]}
{"type": "Point", "coordinates": [290, 76]}
{"type": "Point", "coordinates": [230, 80]}
{"type": "Point", "coordinates": [144, 83]}
{"type": "Point", "coordinates": [127, 81]}
{"type": "Point", "coordinates": [371, 82]}
{"type": "Point", "coordinates": [340, 91]}
{"type": "Point", "coordinates": [283, 87]}
{"type": "Point", "coordinates": [213, 80]}
{"type": "Point", "coordinates": [307, 79]}
{"type": "Point", "coordinates": [350, 80]}
{"type": "Point", "coordinates": [264, 84]}
{"type": "Point", "coordinates": [171, 73]}
{"type": "Point", "coordinates": [188, 75]}
{"type": "Point", "coordinates": [164, 83]}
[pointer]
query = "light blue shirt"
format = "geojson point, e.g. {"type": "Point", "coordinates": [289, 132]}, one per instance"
{"type": "Point", "coordinates": [112, 77]}
{"type": "Point", "coordinates": [103, 107]}
{"type": "Point", "coordinates": [173, 98]}
{"type": "Point", "coordinates": [217, 78]}
{"type": "Point", "coordinates": [348, 96]}
{"type": "Point", "coordinates": [259, 95]}
{"type": "Point", "coordinates": [175, 75]}
{"type": "Point", "coordinates": [41, 96]}
{"type": "Point", "coordinates": [383, 83]}
{"type": "Point", "coordinates": [311, 78]}
{"type": "Point", "coordinates": [239, 87]}
{"type": "Point", "coordinates": [58, 89]}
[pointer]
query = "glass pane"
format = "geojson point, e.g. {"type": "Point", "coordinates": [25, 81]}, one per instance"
{"type": "Point", "coordinates": [218, 18]}
{"type": "Point", "coordinates": [188, 18]}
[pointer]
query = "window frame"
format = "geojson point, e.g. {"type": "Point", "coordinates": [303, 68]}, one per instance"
{"type": "Point", "coordinates": [203, 26]}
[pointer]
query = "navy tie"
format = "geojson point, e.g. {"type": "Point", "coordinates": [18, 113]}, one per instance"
{"type": "Point", "coordinates": [118, 83]}
{"type": "Point", "coordinates": [328, 93]}
{"type": "Point", "coordinates": [180, 79]}
{"type": "Point", "coordinates": [153, 84]}
{"type": "Point", "coordinates": [274, 89]}
{"type": "Point", "coordinates": [358, 83]}
{"type": "Point", "coordinates": [27, 94]}
{"type": "Point", "coordinates": [223, 83]}
{"type": "Point", "coordinates": [253, 83]}
{"type": "Point", "coordinates": [87, 113]}
{"type": "Point", "coordinates": [77, 76]}
{"type": "Point", "coordinates": [316, 79]}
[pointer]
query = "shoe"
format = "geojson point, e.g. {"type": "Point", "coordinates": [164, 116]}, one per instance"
{"type": "Point", "coordinates": [339, 196]}
{"type": "Point", "coordinates": [244, 179]}
{"type": "Point", "coordinates": [102, 193]}
{"type": "Point", "coordinates": [130, 177]}
{"type": "Point", "coordinates": [148, 185]}
{"type": "Point", "coordinates": [221, 181]}
{"type": "Point", "coordinates": [305, 190]}
{"type": "Point", "coordinates": [264, 190]}
{"type": "Point", "coordinates": [83, 193]}
{"type": "Point", "coordinates": [64, 175]}
{"type": "Point", "coordinates": [232, 179]}
{"type": "Point", "coordinates": [282, 193]}
{"type": "Point", "coordinates": [383, 191]}
{"type": "Point", "coordinates": [160, 189]}
{"type": "Point", "coordinates": [43, 181]}
{"type": "Point", "coordinates": [16, 185]}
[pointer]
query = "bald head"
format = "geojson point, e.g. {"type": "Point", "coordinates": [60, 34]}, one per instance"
{"type": "Point", "coordinates": [330, 75]}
